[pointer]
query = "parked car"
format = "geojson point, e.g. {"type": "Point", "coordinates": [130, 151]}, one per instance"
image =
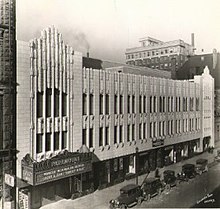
{"type": "Point", "coordinates": [129, 195]}
{"type": "Point", "coordinates": [217, 157]}
{"type": "Point", "coordinates": [169, 178]}
{"type": "Point", "coordinates": [151, 187]}
{"type": "Point", "coordinates": [189, 170]}
{"type": "Point", "coordinates": [201, 166]}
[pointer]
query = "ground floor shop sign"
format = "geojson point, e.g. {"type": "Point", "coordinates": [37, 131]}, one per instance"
{"type": "Point", "coordinates": [61, 166]}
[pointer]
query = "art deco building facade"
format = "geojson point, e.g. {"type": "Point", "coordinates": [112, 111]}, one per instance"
{"type": "Point", "coordinates": [161, 55]}
{"type": "Point", "coordinates": [7, 103]}
{"type": "Point", "coordinates": [82, 129]}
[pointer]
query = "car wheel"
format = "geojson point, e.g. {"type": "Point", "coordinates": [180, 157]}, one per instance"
{"type": "Point", "coordinates": [124, 206]}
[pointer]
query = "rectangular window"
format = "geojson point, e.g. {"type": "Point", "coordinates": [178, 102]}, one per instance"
{"type": "Point", "coordinates": [172, 104]}
{"type": "Point", "coordinates": [155, 129]}
{"type": "Point", "coordinates": [107, 104]}
{"type": "Point", "coordinates": [155, 104]}
{"type": "Point", "coordinates": [39, 143]}
{"type": "Point", "coordinates": [48, 142]}
{"type": "Point", "coordinates": [176, 104]}
{"type": "Point", "coordinates": [121, 134]}
{"type": "Point", "coordinates": [101, 104]}
{"type": "Point", "coordinates": [91, 104]}
{"type": "Point", "coordinates": [101, 136]}
{"type": "Point", "coordinates": [84, 104]}
{"type": "Point", "coordinates": [39, 104]}
{"type": "Point", "coordinates": [179, 104]}
{"type": "Point", "coordinates": [151, 104]}
{"type": "Point", "coordinates": [133, 104]}
{"type": "Point", "coordinates": [140, 131]}
{"type": "Point", "coordinates": [91, 137]}
{"type": "Point", "coordinates": [116, 104]}
{"type": "Point", "coordinates": [197, 104]}
{"type": "Point", "coordinates": [161, 104]}
{"type": "Point", "coordinates": [144, 105]}
{"type": "Point", "coordinates": [164, 103]}
{"type": "Point", "coordinates": [56, 103]}
{"type": "Point", "coordinates": [151, 130]}
{"type": "Point", "coordinates": [121, 105]}
{"type": "Point", "coordinates": [56, 142]}
{"type": "Point", "coordinates": [48, 102]}
{"type": "Point", "coordinates": [115, 135]}
{"type": "Point", "coordinates": [168, 104]}
{"type": "Point", "coordinates": [133, 132]}
{"type": "Point", "coordinates": [129, 104]}
{"type": "Point", "coordinates": [64, 104]}
{"type": "Point", "coordinates": [144, 131]}
{"type": "Point", "coordinates": [107, 136]}
{"type": "Point", "coordinates": [164, 128]}
{"type": "Point", "coordinates": [140, 104]}
{"type": "Point", "coordinates": [84, 136]}
{"type": "Point", "coordinates": [64, 139]}
{"type": "Point", "coordinates": [128, 133]}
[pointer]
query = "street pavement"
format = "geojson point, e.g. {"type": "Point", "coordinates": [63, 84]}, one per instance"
{"type": "Point", "coordinates": [100, 198]}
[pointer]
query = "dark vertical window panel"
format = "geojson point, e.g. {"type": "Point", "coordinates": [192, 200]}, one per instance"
{"type": "Point", "coordinates": [39, 143]}
{"type": "Point", "coordinates": [120, 134]}
{"type": "Point", "coordinates": [56, 141]}
{"type": "Point", "coordinates": [64, 139]}
{"type": "Point", "coordinates": [129, 104]}
{"type": "Point", "coordinates": [39, 104]}
{"type": "Point", "coordinates": [84, 104]}
{"type": "Point", "coordinates": [133, 132]}
{"type": "Point", "coordinates": [101, 136]}
{"type": "Point", "coordinates": [151, 107]}
{"type": "Point", "coordinates": [115, 135]}
{"type": "Point", "coordinates": [56, 103]}
{"type": "Point", "coordinates": [64, 104]}
{"type": "Point", "coordinates": [84, 136]}
{"type": "Point", "coordinates": [101, 104]}
{"type": "Point", "coordinates": [121, 105]}
{"type": "Point", "coordinates": [107, 104]}
{"type": "Point", "coordinates": [91, 104]}
{"type": "Point", "coordinates": [140, 104]}
{"type": "Point", "coordinates": [48, 142]}
{"type": "Point", "coordinates": [128, 133]}
{"type": "Point", "coordinates": [107, 136]}
{"type": "Point", "coordinates": [116, 104]}
{"type": "Point", "coordinates": [133, 104]}
{"type": "Point", "coordinates": [91, 138]}
{"type": "Point", "coordinates": [48, 102]}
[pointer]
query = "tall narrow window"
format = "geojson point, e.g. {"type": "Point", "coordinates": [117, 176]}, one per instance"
{"type": "Point", "coordinates": [133, 132]}
{"type": "Point", "coordinates": [116, 104]}
{"type": "Point", "coordinates": [64, 104]}
{"type": "Point", "coordinates": [107, 104]}
{"type": "Point", "coordinates": [171, 104]}
{"type": "Point", "coordinates": [144, 105]}
{"type": "Point", "coordinates": [128, 133]}
{"type": "Point", "coordinates": [56, 103]}
{"type": "Point", "coordinates": [91, 104]}
{"type": "Point", "coordinates": [161, 104]}
{"type": "Point", "coordinates": [39, 104]}
{"type": "Point", "coordinates": [39, 144]}
{"type": "Point", "coordinates": [101, 104]}
{"type": "Point", "coordinates": [91, 137]}
{"type": "Point", "coordinates": [144, 131]}
{"type": "Point", "coordinates": [84, 136]}
{"type": "Point", "coordinates": [84, 104]}
{"type": "Point", "coordinates": [155, 104]}
{"type": "Point", "coordinates": [121, 105]}
{"type": "Point", "coordinates": [115, 135]}
{"type": "Point", "coordinates": [48, 102]}
{"type": "Point", "coordinates": [107, 136]}
{"type": "Point", "coordinates": [151, 106]}
{"type": "Point", "coordinates": [56, 141]}
{"type": "Point", "coordinates": [64, 139]}
{"type": "Point", "coordinates": [151, 130]}
{"type": "Point", "coordinates": [140, 131]}
{"type": "Point", "coordinates": [48, 142]}
{"type": "Point", "coordinates": [129, 104]}
{"type": "Point", "coordinates": [179, 104]}
{"type": "Point", "coordinates": [121, 134]}
{"type": "Point", "coordinates": [140, 104]}
{"type": "Point", "coordinates": [176, 104]}
{"type": "Point", "coordinates": [164, 103]}
{"type": "Point", "coordinates": [100, 136]}
{"type": "Point", "coordinates": [133, 104]}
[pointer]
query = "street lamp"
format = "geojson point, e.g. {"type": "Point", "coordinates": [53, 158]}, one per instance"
{"type": "Point", "coordinates": [136, 164]}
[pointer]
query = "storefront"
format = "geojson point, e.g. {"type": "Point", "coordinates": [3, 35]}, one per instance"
{"type": "Point", "coordinates": [59, 177]}
{"type": "Point", "coordinates": [206, 143]}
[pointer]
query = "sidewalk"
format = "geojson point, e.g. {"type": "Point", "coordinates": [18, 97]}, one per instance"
{"type": "Point", "coordinates": [100, 198]}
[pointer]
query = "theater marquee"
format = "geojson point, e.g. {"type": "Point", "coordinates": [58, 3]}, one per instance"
{"type": "Point", "coordinates": [58, 167]}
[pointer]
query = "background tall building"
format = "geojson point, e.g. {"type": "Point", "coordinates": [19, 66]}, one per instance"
{"type": "Point", "coordinates": [7, 103]}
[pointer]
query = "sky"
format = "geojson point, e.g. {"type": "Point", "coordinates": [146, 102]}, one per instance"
{"type": "Point", "coordinates": [107, 27]}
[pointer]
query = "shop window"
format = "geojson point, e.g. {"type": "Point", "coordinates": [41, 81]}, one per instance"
{"type": "Point", "coordinates": [107, 104]}
{"type": "Point", "coordinates": [101, 136]}
{"type": "Point", "coordinates": [56, 141]}
{"type": "Point", "coordinates": [48, 102]}
{"type": "Point", "coordinates": [121, 105]}
{"type": "Point", "coordinates": [39, 104]}
{"type": "Point", "coordinates": [116, 104]}
{"type": "Point", "coordinates": [107, 136]}
{"type": "Point", "coordinates": [64, 139]}
{"type": "Point", "coordinates": [48, 142]}
{"type": "Point", "coordinates": [84, 136]}
{"type": "Point", "coordinates": [101, 104]}
{"type": "Point", "coordinates": [39, 143]}
{"type": "Point", "coordinates": [91, 104]}
{"type": "Point", "coordinates": [84, 104]}
{"type": "Point", "coordinates": [56, 103]}
{"type": "Point", "coordinates": [64, 104]}
{"type": "Point", "coordinates": [121, 163]}
{"type": "Point", "coordinates": [91, 134]}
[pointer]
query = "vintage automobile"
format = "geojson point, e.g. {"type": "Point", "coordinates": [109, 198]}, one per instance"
{"type": "Point", "coordinates": [129, 195]}
{"type": "Point", "coordinates": [201, 166]}
{"type": "Point", "coordinates": [181, 177]}
{"type": "Point", "coordinates": [169, 178]}
{"type": "Point", "coordinates": [217, 157]}
{"type": "Point", "coordinates": [151, 187]}
{"type": "Point", "coordinates": [189, 170]}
